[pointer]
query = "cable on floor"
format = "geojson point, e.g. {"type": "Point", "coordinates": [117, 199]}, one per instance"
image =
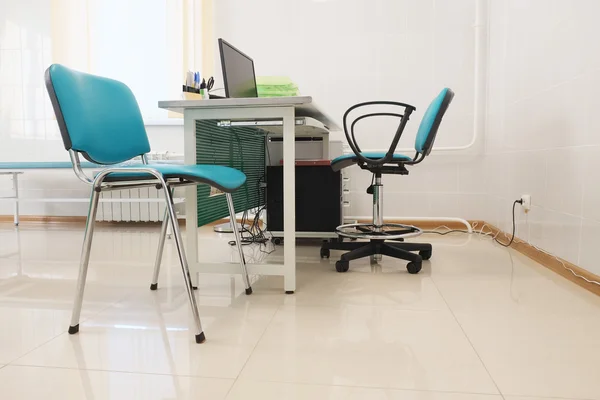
{"type": "Point", "coordinates": [512, 240]}
{"type": "Point", "coordinates": [256, 234]}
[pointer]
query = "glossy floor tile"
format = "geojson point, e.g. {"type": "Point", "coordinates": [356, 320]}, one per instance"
{"type": "Point", "coordinates": [244, 389]}
{"type": "Point", "coordinates": [535, 331]}
{"type": "Point", "coordinates": [28, 383]}
{"type": "Point", "coordinates": [151, 333]}
{"type": "Point", "coordinates": [536, 398]}
{"type": "Point", "coordinates": [320, 285]}
{"type": "Point", "coordinates": [479, 322]}
{"type": "Point", "coordinates": [370, 347]}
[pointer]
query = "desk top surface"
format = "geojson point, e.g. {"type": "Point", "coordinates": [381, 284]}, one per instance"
{"type": "Point", "coordinates": [303, 105]}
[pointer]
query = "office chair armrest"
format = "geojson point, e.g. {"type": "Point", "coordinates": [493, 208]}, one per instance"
{"type": "Point", "coordinates": [350, 137]}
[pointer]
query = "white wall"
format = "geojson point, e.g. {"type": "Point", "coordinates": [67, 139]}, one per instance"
{"type": "Point", "coordinates": [543, 128]}
{"type": "Point", "coordinates": [343, 52]}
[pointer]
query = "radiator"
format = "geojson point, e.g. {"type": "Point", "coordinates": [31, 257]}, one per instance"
{"type": "Point", "coordinates": [132, 205]}
{"type": "Point", "coordinates": [140, 204]}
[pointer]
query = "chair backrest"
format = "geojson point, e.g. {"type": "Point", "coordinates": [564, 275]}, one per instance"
{"type": "Point", "coordinates": [431, 121]}
{"type": "Point", "coordinates": [98, 117]}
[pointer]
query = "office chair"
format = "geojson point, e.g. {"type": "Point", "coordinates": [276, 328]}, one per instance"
{"type": "Point", "coordinates": [386, 239]}
{"type": "Point", "coordinates": [99, 118]}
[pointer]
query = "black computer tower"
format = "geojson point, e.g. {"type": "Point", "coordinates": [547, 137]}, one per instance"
{"type": "Point", "coordinates": [318, 198]}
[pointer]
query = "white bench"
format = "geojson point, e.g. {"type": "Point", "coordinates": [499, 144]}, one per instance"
{"type": "Point", "coordinates": [15, 169]}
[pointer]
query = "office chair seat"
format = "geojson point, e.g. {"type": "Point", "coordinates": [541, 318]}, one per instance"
{"type": "Point", "coordinates": [223, 178]}
{"type": "Point", "coordinates": [348, 159]}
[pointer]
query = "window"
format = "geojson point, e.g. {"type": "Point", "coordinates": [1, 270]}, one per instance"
{"type": "Point", "coordinates": [25, 50]}
{"type": "Point", "coordinates": [148, 44]}
{"type": "Point", "coordinates": [129, 41]}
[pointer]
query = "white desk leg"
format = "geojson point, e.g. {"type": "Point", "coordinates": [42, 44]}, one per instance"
{"type": "Point", "coordinates": [15, 178]}
{"type": "Point", "coordinates": [289, 202]}
{"type": "Point", "coordinates": [191, 200]}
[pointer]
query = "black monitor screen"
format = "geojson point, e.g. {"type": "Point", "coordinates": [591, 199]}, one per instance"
{"type": "Point", "coordinates": [238, 72]}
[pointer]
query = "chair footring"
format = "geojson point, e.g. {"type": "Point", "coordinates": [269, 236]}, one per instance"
{"type": "Point", "coordinates": [200, 338]}
{"type": "Point", "coordinates": [389, 231]}
{"type": "Point", "coordinates": [73, 329]}
{"type": "Point", "coordinates": [153, 286]}
{"type": "Point", "coordinates": [249, 291]}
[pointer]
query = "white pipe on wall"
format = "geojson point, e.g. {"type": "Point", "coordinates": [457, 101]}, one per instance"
{"type": "Point", "coordinates": [480, 87]}
{"type": "Point", "coordinates": [479, 106]}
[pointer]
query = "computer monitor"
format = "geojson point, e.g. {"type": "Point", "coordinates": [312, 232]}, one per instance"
{"type": "Point", "coordinates": [238, 72]}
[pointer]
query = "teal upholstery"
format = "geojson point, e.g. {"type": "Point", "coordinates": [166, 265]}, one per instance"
{"type": "Point", "coordinates": [101, 117]}
{"type": "Point", "coordinates": [45, 165]}
{"type": "Point", "coordinates": [349, 159]}
{"type": "Point", "coordinates": [428, 121]}
{"type": "Point", "coordinates": [223, 178]}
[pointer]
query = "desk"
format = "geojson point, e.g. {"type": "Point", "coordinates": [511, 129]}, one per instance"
{"type": "Point", "coordinates": [280, 108]}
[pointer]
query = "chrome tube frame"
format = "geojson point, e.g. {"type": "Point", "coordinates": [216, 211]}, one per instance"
{"type": "Point", "coordinates": [378, 204]}
{"type": "Point", "coordinates": [84, 261]}
{"type": "Point", "coordinates": [238, 241]}
{"type": "Point", "coordinates": [159, 252]}
{"type": "Point", "coordinates": [87, 244]}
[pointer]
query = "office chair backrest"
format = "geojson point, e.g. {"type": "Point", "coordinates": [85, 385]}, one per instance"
{"type": "Point", "coordinates": [97, 117]}
{"type": "Point", "coordinates": [431, 121]}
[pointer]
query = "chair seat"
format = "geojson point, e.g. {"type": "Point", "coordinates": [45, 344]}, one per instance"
{"type": "Point", "coordinates": [223, 178]}
{"type": "Point", "coordinates": [349, 159]}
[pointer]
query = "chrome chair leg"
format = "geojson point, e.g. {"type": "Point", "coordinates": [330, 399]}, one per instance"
{"type": "Point", "coordinates": [85, 259]}
{"type": "Point", "coordinates": [159, 252]}
{"type": "Point", "coordinates": [238, 242]}
{"type": "Point", "coordinates": [200, 338]}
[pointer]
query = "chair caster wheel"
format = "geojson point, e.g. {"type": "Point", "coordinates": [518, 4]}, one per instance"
{"type": "Point", "coordinates": [277, 241]}
{"type": "Point", "coordinates": [413, 267]}
{"type": "Point", "coordinates": [425, 254]}
{"type": "Point", "coordinates": [325, 253]}
{"type": "Point", "coordinates": [342, 266]}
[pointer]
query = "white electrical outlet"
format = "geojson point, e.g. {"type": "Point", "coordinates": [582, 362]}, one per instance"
{"type": "Point", "coordinates": [526, 202]}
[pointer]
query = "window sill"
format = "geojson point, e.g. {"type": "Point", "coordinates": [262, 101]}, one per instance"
{"type": "Point", "coordinates": [164, 122]}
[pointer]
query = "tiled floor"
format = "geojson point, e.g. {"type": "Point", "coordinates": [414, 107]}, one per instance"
{"type": "Point", "coordinates": [479, 322]}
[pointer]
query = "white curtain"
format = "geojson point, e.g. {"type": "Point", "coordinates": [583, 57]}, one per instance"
{"type": "Point", "coordinates": [148, 44]}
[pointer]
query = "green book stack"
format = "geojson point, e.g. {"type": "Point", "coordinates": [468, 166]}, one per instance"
{"type": "Point", "coordinates": [276, 86]}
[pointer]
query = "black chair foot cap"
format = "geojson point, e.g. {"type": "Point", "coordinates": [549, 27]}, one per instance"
{"type": "Point", "coordinates": [289, 292]}
{"type": "Point", "coordinates": [249, 291]}
{"type": "Point", "coordinates": [73, 329]}
{"type": "Point", "coordinates": [153, 286]}
{"type": "Point", "coordinates": [200, 338]}
{"type": "Point", "coordinates": [195, 287]}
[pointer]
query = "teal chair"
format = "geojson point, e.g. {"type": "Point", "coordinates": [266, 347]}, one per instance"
{"type": "Point", "coordinates": [100, 120]}
{"type": "Point", "coordinates": [386, 238]}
